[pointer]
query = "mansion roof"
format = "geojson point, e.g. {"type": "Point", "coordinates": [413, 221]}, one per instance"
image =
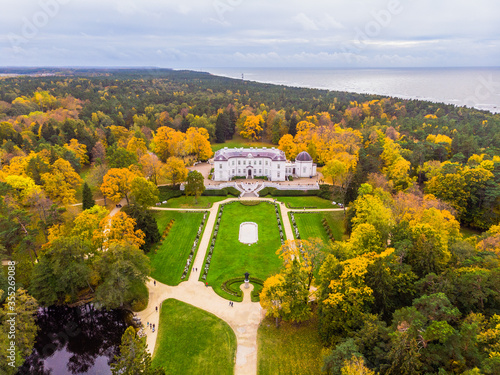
{"type": "Point", "coordinates": [252, 152]}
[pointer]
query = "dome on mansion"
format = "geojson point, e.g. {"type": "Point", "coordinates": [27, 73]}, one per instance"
{"type": "Point", "coordinates": [303, 156]}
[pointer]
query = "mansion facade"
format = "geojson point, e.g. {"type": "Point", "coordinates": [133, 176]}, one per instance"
{"type": "Point", "coordinates": [260, 162]}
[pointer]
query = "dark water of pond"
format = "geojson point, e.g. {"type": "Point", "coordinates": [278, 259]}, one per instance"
{"type": "Point", "coordinates": [75, 340]}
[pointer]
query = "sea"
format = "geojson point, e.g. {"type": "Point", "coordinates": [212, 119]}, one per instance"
{"type": "Point", "coordinates": [472, 87]}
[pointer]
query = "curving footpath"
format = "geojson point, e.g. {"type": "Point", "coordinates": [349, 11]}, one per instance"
{"type": "Point", "coordinates": [244, 318]}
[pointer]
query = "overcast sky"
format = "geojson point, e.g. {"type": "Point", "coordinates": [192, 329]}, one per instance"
{"type": "Point", "coordinates": [250, 33]}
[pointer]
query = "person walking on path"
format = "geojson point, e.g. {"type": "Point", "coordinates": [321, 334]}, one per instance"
{"type": "Point", "coordinates": [156, 308]}
{"type": "Point", "coordinates": [155, 282]}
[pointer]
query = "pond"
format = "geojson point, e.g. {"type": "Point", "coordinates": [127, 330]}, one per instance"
{"type": "Point", "coordinates": [75, 340]}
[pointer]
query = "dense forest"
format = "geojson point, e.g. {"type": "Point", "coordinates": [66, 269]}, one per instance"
{"type": "Point", "coordinates": [408, 293]}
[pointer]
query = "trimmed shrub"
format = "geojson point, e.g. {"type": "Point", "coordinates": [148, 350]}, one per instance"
{"type": "Point", "coordinates": [232, 191]}
{"type": "Point", "coordinates": [232, 286]}
{"type": "Point", "coordinates": [168, 192]}
{"type": "Point", "coordinates": [294, 193]}
{"type": "Point", "coordinates": [249, 203]}
{"type": "Point", "coordinates": [222, 192]}
{"type": "Point", "coordinates": [266, 191]}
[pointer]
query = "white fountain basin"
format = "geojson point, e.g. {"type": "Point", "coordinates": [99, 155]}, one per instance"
{"type": "Point", "coordinates": [249, 233]}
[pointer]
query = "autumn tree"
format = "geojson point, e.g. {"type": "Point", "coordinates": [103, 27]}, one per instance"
{"type": "Point", "coordinates": [151, 167]}
{"type": "Point", "coordinates": [119, 268]}
{"type": "Point", "coordinates": [61, 183]}
{"type": "Point", "coordinates": [287, 145]}
{"type": "Point", "coordinates": [25, 310]}
{"type": "Point", "coordinates": [62, 271]}
{"type": "Point", "coordinates": [137, 146]}
{"type": "Point", "coordinates": [117, 183]}
{"type": "Point", "coordinates": [197, 140]}
{"type": "Point", "coordinates": [168, 142]}
{"type": "Point", "coordinates": [146, 222]}
{"type": "Point", "coordinates": [286, 296]}
{"type": "Point", "coordinates": [79, 149]}
{"type": "Point", "coordinates": [134, 358]}
{"type": "Point", "coordinates": [194, 184]}
{"type": "Point", "coordinates": [356, 366]}
{"type": "Point", "coordinates": [175, 170]}
{"type": "Point", "coordinates": [86, 224]}
{"type": "Point", "coordinates": [308, 253]}
{"type": "Point", "coordinates": [341, 174]}
{"type": "Point", "coordinates": [143, 192]}
{"type": "Point", "coordinates": [252, 127]}
{"type": "Point", "coordinates": [120, 228]}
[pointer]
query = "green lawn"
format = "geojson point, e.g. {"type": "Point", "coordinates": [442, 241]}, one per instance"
{"type": "Point", "coordinates": [469, 232]}
{"type": "Point", "coordinates": [170, 258]}
{"type": "Point", "coordinates": [231, 258]}
{"type": "Point", "coordinates": [306, 202]}
{"type": "Point", "coordinates": [310, 225]}
{"type": "Point", "coordinates": [189, 202]}
{"type": "Point", "coordinates": [289, 349]}
{"type": "Point", "coordinates": [239, 142]}
{"type": "Point", "coordinates": [193, 341]}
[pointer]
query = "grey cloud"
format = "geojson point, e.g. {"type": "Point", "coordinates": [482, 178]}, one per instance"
{"type": "Point", "coordinates": [195, 33]}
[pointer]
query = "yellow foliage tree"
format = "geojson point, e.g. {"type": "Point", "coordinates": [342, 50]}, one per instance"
{"type": "Point", "coordinates": [198, 143]}
{"type": "Point", "coordinates": [151, 167]}
{"type": "Point", "coordinates": [175, 170]}
{"type": "Point", "coordinates": [116, 183]}
{"type": "Point", "coordinates": [88, 221]}
{"type": "Point", "coordinates": [79, 149]}
{"type": "Point", "coordinates": [252, 127]}
{"type": "Point", "coordinates": [61, 183]}
{"type": "Point", "coordinates": [137, 146]}
{"type": "Point", "coordinates": [287, 145]}
{"type": "Point", "coordinates": [118, 228]}
{"type": "Point", "coordinates": [356, 366]}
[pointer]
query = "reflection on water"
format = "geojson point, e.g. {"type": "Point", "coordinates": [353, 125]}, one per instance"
{"type": "Point", "coordinates": [79, 340]}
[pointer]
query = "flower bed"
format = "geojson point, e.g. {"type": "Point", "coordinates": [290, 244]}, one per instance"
{"type": "Point", "coordinates": [167, 229]}
{"type": "Point", "coordinates": [212, 243]}
{"type": "Point", "coordinates": [195, 245]}
{"type": "Point", "coordinates": [295, 228]}
{"type": "Point", "coordinates": [328, 229]}
{"type": "Point", "coordinates": [277, 210]}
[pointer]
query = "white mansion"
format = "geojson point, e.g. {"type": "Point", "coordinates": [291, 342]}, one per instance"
{"type": "Point", "coordinates": [260, 162]}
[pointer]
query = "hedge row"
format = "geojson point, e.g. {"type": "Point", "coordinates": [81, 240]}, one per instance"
{"type": "Point", "coordinates": [232, 286]}
{"type": "Point", "coordinates": [168, 192]}
{"type": "Point", "coordinates": [249, 203]}
{"type": "Point", "coordinates": [222, 192]}
{"type": "Point", "coordinates": [287, 193]}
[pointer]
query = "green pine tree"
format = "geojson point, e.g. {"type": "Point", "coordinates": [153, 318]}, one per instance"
{"type": "Point", "coordinates": [87, 201]}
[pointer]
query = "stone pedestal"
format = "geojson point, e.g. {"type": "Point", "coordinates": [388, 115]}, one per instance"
{"type": "Point", "coordinates": [247, 284]}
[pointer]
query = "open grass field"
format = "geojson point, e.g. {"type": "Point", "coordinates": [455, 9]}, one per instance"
{"type": "Point", "coordinates": [237, 141]}
{"type": "Point", "coordinates": [193, 341]}
{"type": "Point", "coordinates": [189, 202]}
{"type": "Point", "coordinates": [231, 258]}
{"type": "Point", "coordinates": [469, 232]}
{"type": "Point", "coordinates": [170, 258]}
{"type": "Point", "coordinates": [306, 202]}
{"type": "Point", "coordinates": [289, 349]}
{"type": "Point", "coordinates": [310, 225]}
